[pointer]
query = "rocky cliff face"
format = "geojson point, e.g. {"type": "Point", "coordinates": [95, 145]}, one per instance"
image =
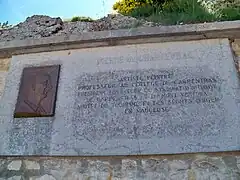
{"type": "Point", "coordinates": [39, 26]}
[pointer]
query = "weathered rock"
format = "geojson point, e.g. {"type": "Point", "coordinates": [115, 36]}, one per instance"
{"type": "Point", "coordinates": [15, 178]}
{"type": "Point", "coordinates": [36, 26]}
{"type": "Point", "coordinates": [191, 174]}
{"type": "Point", "coordinates": [2, 162]}
{"type": "Point", "coordinates": [39, 26]}
{"type": "Point", "coordinates": [15, 165]}
{"type": "Point", "coordinates": [209, 176]}
{"type": "Point", "coordinates": [178, 165]}
{"type": "Point", "coordinates": [32, 165]}
{"type": "Point", "coordinates": [231, 162]}
{"type": "Point", "coordinates": [128, 164]}
{"type": "Point", "coordinates": [179, 175]}
{"type": "Point", "coordinates": [238, 162]}
{"type": "Point", "coordinates": [209, 164]}
{"type": "Point", "coordinates": [46, 177]}
{"type": "Point", "coordinates": [57, 173]}
{"type": "Point", "coordinates": [155, 165]}
{"type": "Point", "coordinates": [76, 27]}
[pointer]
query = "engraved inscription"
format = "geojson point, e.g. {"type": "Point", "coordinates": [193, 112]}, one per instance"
{"type": "Point", "coordinates": [147, 58]}
{"type": "Point", "coordinates": [151, 101]}
{"type": "Point", "coordinates": [127, 92]}
{"type": "Point", "coordinates": [37, 92]}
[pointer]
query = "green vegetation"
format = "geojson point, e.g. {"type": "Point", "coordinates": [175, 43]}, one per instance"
{"type": "Point", "coordinates": [5, 25]}
{"type": "Point", "coordinates": [81, 18]}
{"type": "Point", "coordinates": [170, 12]}
{"type": "Point", "coordinates": [126, 6]}
{"type": "Point", "coordinates": [227, 10]}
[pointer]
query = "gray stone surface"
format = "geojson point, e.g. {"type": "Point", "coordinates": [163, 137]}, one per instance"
{"type": "Point", "coordinates": [15, 165]}
{"type": "Point", "coordinates": [35, 138]}
{"type": "Point", "coordinates": [137, 99]}
{"type": "Point", "coordinates": [31, 165]}
{"type": "Point", "coordinates": [221, 166]}
{"type": "Point", "coordinates": [40, 26]}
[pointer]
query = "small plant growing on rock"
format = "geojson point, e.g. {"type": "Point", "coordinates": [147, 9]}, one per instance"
{"type": "Point", "coordinates": [5, 25]}
{"type": "Point", "coordinates": [82, 19]}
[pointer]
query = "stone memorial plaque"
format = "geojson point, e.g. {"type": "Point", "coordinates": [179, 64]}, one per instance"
{"type": "Point", "coordinates": [37, 93]}
{"type": "Point", "coordinates": [154, 98]}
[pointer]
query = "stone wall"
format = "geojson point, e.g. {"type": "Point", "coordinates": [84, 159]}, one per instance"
{"type": "Point", "coordinates": [4, 65]}
{"type": "Point", "coordinates": [201, 166]}
{"type": "Point", "coordinates": [208, 166]}
{"type": "Point", "coordinates": [172, 167]}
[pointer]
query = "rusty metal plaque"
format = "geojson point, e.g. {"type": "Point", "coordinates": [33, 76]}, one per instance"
{"type": "Point", "coordinates": [38, 92]}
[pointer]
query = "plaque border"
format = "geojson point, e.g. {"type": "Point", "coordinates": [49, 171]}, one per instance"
{"type": "Point", "coordinates": [52, 113]}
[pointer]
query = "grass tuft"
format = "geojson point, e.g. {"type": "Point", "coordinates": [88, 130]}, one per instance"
{"type": "Point", "coordinates": [82, 19]}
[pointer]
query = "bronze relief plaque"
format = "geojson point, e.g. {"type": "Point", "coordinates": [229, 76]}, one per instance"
{"type": "Point", "coordinates": [38, 92]}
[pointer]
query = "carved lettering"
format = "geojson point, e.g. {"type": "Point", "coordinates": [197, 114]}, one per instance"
{"type": "Point", "coordinates": [144, 93]}
{"type": "Point", "coordinates": [165, 89]}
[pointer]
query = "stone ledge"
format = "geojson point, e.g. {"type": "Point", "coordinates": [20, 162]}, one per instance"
{"type": "Point", "coordinates": [228, 29]}
{"type": "Point", "coordinates": [236, 46]}
{"type": "Point", "coordinates": [165, 156]}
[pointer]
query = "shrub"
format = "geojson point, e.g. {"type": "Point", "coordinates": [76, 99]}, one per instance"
{"type": "Point", "coordinates": [183, 6]}
{"type": "Point", "coordinates": [227, 9]}
{"type": "Point", "coordinates": [127, 6]}
{"type": "Point", "coordinates": [81, 18]}
{"type": "Point", "coordinates": [154, 3]}
{"type": "Point", "coordinates": [143, 11]}
{"type": "Point", "coordinates": [138, 7]}
{"type": "Point", "coordinates": [228, 13]}
{"type": "Point", "coordinates": [5, 25]}
{"type": "Point", "coordinates": [182, 11]}
{"type": "Point", "coordinates": [222, 4]}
